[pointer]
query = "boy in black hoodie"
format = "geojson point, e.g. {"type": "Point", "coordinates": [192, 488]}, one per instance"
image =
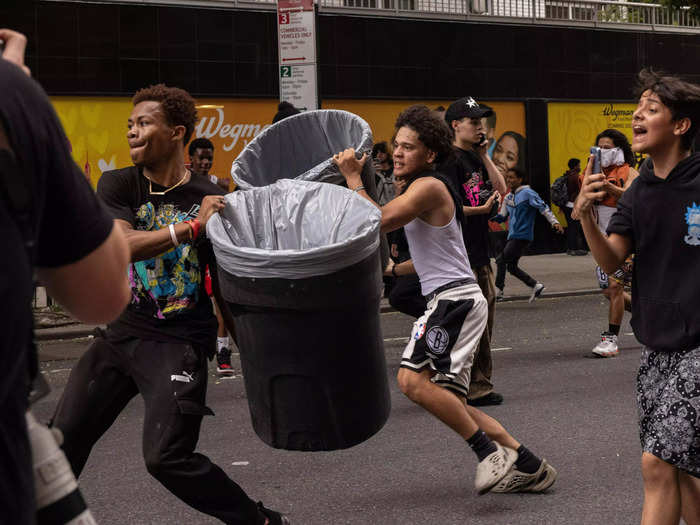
{"type": "Point", "coordinates": [658, 218]}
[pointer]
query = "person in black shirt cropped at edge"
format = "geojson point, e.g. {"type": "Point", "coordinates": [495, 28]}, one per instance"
{"type": "Point", "coordinates": [159, 346]}
{"type": "Point", "coordinates": [79, 256]}
{"type": "Point", "coordinates": [473, 173]}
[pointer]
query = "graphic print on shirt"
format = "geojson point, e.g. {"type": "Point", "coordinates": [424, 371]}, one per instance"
{"type": "Point", "coordinates": [692, 219]}
{"type": "Point", "coordinates": [472, 188]}
{"type": "Point", "coordinates": [169, 283]}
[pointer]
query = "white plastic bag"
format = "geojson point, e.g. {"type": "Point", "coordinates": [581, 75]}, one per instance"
{"type": "Point", "coordinates": [301, 147]}
{"type": "Point", "coordinates": [293, 229]}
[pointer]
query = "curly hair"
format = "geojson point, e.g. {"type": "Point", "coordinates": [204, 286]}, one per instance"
{"type": "Point", "coordinates": [177, 104]}
{"type": "Point", "coordinates": [200, 143]}
{"type": "Point", "coordinates": [620, 141]}
{"type": "Point", "coordinates": [432, 130]}
{"type": "Point", "coordinates": [682, 98]}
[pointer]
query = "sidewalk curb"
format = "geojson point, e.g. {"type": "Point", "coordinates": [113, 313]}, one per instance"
{"type": "Point", "coordinates": [551, 295]}
{"type": "Point", "coordinates": [387, 308]}
{"type": "Point", "coordinates": [77, 331]}
{"type": "Point", "coordinates": [74, 331]}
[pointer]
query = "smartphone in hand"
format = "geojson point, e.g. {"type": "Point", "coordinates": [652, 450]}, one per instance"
{"type": "Point", "coordinates": [595, 151]}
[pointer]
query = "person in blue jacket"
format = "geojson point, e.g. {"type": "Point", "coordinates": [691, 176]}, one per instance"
{"type": "Point", "coordinates": [521, 204]}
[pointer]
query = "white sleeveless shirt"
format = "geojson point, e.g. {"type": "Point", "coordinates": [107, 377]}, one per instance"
{"type": "Point", "coordinates": [438, 253]}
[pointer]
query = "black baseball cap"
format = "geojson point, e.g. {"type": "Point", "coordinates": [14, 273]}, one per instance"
{"type": "Point", "coordinates": [467, 107]}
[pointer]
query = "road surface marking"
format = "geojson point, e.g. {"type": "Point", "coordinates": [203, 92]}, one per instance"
{"type": "Point", "coordinates": [405, 340]}
{"type": "Point", "coordinates": [396, 339]}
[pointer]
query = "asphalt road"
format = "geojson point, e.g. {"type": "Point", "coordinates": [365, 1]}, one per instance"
{"type": "Point", "coordinates": [578, 412]}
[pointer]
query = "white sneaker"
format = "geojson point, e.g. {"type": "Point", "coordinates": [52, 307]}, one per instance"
{"type": "Point", "coordinates": [499, 295]}
{"type": "Point", "coordinates": [493, 468]}
{"type": "Point", "coordinates": [517, 481]}
{"type": "Point", "coordinates": [536, 291]}
{"type": "Point", "coordinates": [607, 346]}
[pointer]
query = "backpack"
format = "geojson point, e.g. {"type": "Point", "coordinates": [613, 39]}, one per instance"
{"type": "Point", "coordinates": [559, 194]}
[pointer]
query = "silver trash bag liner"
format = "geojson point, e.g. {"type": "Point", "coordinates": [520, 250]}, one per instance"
{"type": "Point", "coordinates": [302, 147]}
{"type": "Point", "coordinates": [293, 229]}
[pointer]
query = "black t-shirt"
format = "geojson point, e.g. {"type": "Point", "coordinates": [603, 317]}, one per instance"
{"type": "Point", "coordinates": [169, 301]}
{"type": "Point", "coordinates": [468, 175]}
{"type": "Point", "coordinates": [66, 219]}
{"type": "Point", "coordinates": [661, 219]}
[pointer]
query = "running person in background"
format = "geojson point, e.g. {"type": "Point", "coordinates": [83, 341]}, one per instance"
{"type": "Point", "coordinates": [617, 160]}
{"type": "Point", "coordinates": [437, 361]}
{"type": "Point", "coordinates": [201, 158]}
{"type": "Point", "coordinates": [521, 205]}
{"type": "Point", "coordinates": [658, 219]}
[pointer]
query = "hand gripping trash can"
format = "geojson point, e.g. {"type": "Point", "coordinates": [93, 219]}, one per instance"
{"type": "Point", "coordinates": [298, 264]}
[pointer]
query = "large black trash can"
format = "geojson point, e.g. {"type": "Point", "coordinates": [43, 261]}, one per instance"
{"type": "Point", "coordinates": [298, 263]}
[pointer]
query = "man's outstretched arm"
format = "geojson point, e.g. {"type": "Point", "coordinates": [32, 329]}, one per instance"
{"type": "Point", "coordinates": [93, 289]}
{"type": "Point", "coordinates": [148, 244]}
{"type": "Point", "coordinates": [418, 198]}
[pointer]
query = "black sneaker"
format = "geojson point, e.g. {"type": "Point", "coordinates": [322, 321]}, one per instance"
{"type": "Point", "coordinates": [273, 517]}
{"type": "Point", "coordinates": [492, 398]}
{"type": "Point", "coordinates": [223, 359]}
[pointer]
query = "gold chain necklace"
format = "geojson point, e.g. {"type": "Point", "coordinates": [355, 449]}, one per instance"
{"type": "Point", "coordinates": [150, 184]}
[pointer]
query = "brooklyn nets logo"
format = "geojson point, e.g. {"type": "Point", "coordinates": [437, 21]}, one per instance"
{"type": "Point", "coordinates": [437, 339]}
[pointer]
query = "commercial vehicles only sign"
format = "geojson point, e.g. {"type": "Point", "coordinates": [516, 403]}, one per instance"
{"type": "Point", "coordinates": [296, 29]}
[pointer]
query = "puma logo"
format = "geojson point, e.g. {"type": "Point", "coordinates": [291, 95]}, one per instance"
{"type": "Point", "coordinates": [184, 378]}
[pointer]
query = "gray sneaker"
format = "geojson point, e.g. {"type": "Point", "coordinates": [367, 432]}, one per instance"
{"type": "Point", "coordinates": [494, 468]}
{"type": "Point", "coordinates": [517, 481]}
{"type": "Point", "coordinates": [536, 291]}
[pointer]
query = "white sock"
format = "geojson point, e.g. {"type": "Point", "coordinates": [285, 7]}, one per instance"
{"type": "Point", "coordinates": [221, 342]}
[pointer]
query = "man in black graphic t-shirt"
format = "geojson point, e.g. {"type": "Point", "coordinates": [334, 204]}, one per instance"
{"type": "Point", "coordinates": [473, 174]}
{"type": "Point", "coordinates": [159, 346]}
{"type": "Point", "coordinates": [168, 287]}
{"type": "Point", "coordinates": [77, 252]}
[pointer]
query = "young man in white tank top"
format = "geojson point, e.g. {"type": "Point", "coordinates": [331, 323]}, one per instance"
{"type": "Point", "coordinates": [437, 361]}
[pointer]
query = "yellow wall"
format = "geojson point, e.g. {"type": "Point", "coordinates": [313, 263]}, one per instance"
{"type": "Point", "coordinates": [573, 128]}
{"type": "Point", "coordinates": [96, 126]}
